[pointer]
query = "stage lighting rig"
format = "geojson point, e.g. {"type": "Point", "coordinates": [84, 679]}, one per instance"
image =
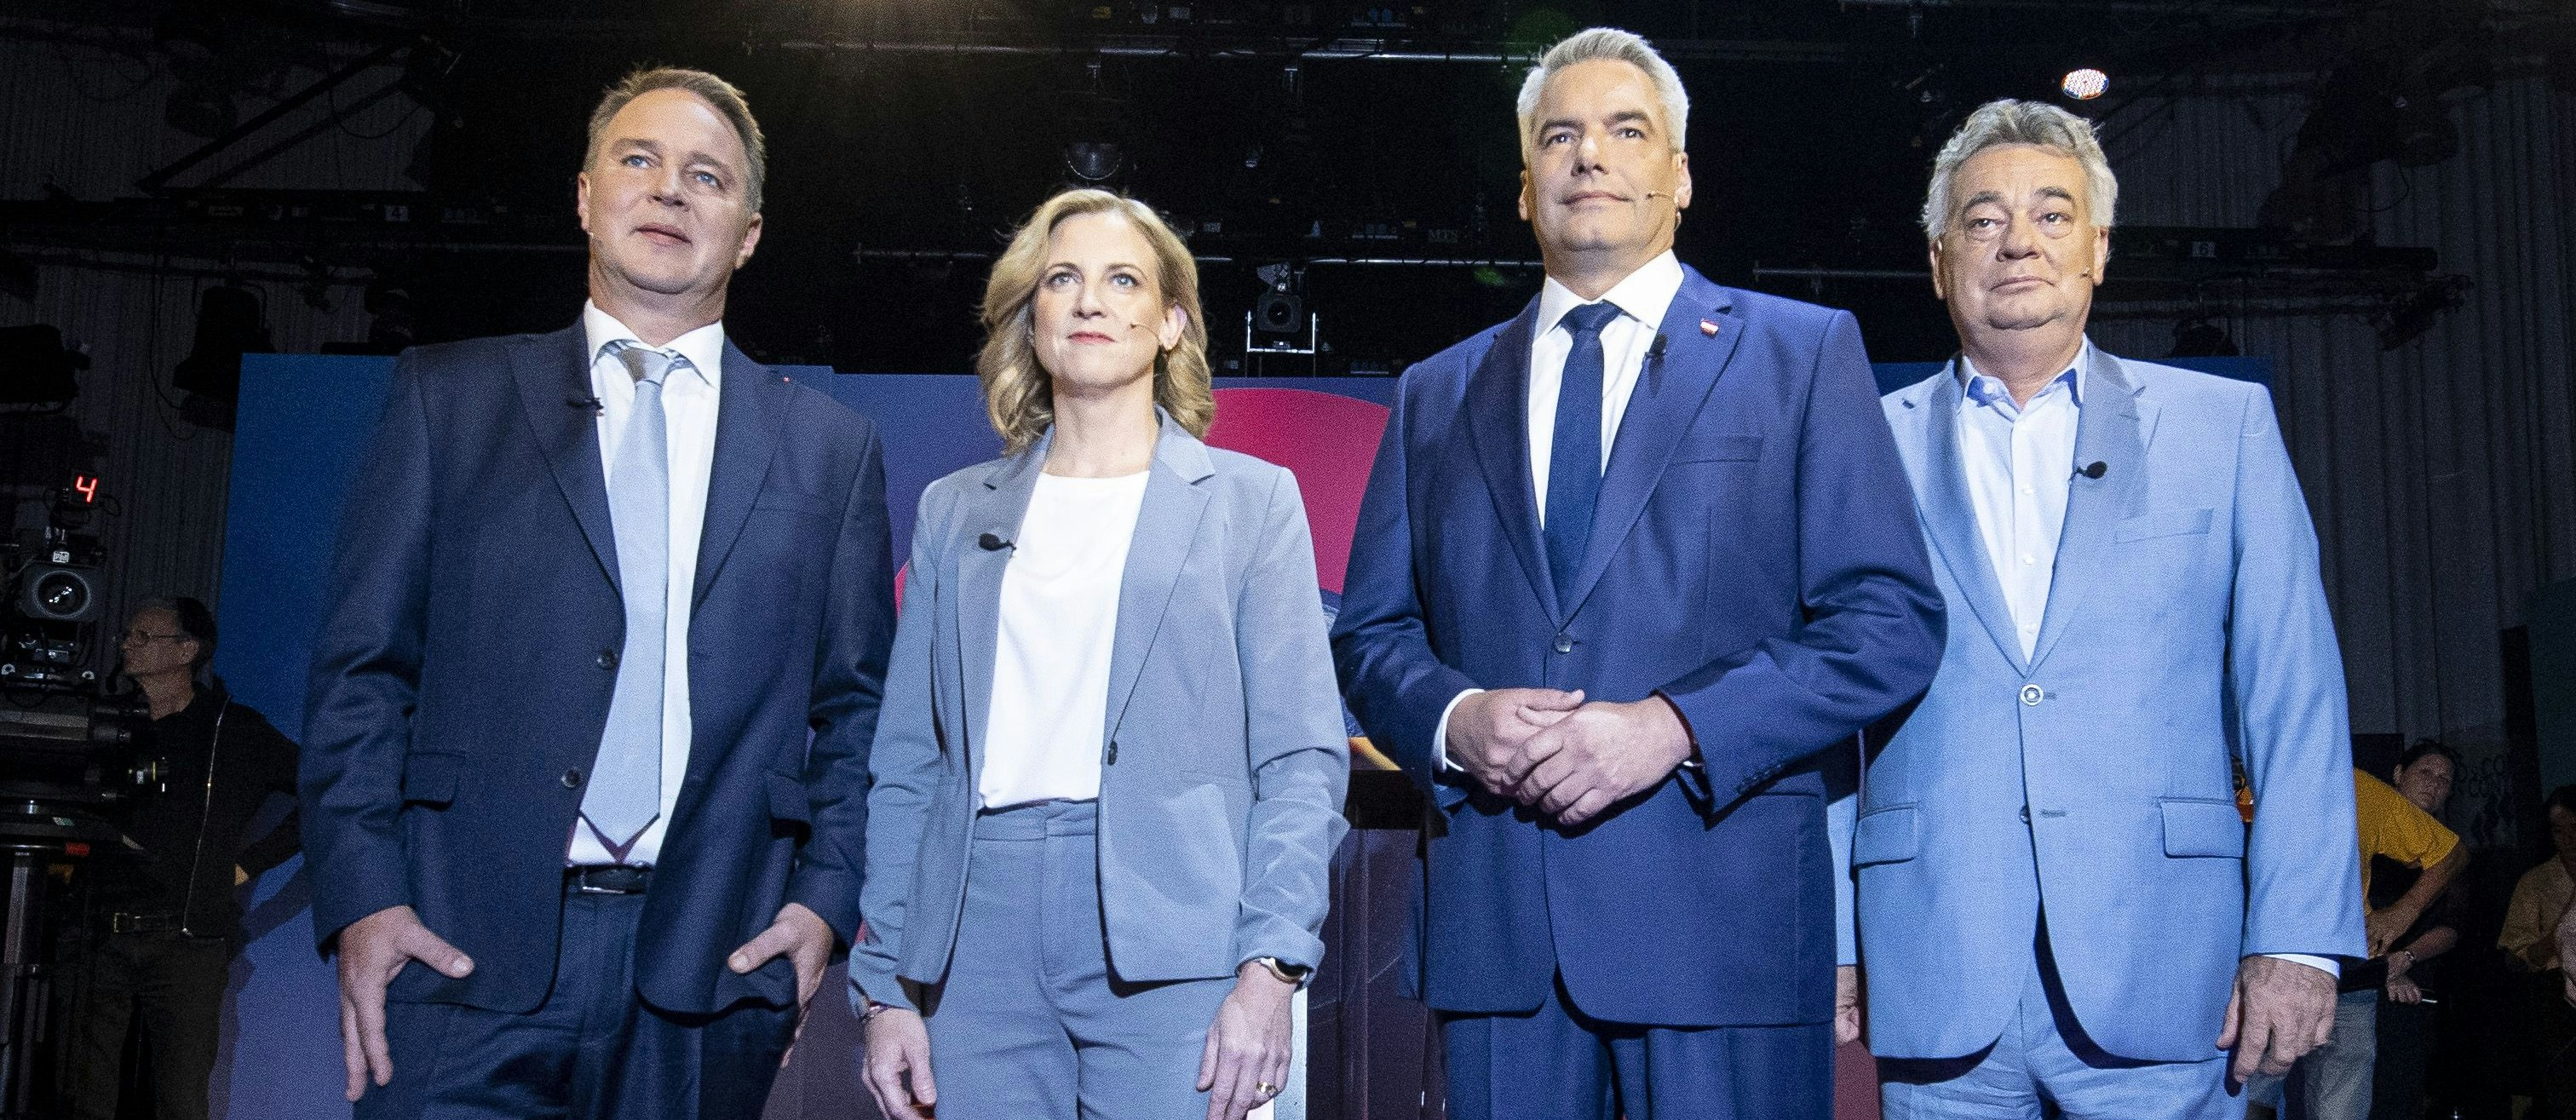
{"type": "Point", "coordinates": [2084, 84]}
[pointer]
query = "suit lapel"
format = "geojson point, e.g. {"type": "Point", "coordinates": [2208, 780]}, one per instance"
{"type": "Point", "coordinates": [978, 602]}
{"type": "Point", "coordinates": [554, 381]}
{"type": "Point", "coordinates": [1166, 527]}
{"type": "Point", "coordinates": [1498, 420]}
{"type": "Point", "coordinates": [750, 411]}
{"type": "Point", "coordinates": [1662, 406]}
{"type": "Point", "coordinates": [2108, 430]}
{"type": "Point", "coordinates": [1951, 519]}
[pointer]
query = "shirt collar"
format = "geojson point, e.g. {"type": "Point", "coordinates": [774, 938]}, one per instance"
{"type": "Point", "coordinates": [1980, 389]}
{"type": "Point", "coordinates": [1643, 296]}
{"type": "Point", "coordinates": [703, 347]}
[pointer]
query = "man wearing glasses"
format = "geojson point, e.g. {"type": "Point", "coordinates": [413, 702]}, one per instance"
{"type": "Point", "coordinates": [163, 923]}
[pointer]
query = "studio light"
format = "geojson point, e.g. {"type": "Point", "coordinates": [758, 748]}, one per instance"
{"type": "Point", "coordinates": [2085, 84]}
{"type": "Point", "coordinates": [230, 322]}
{"type": "Point", "coordinates": [1281, 307]}
{"type": "Point", "coordinates": [36, 368]}
{"type": "Point", "coordinates": [1093, 161]}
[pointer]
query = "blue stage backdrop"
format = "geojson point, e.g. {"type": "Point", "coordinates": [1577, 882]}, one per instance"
{"type": "Point", "coordinates": [304, 424]}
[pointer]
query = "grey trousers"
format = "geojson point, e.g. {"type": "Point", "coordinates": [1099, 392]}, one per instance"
{"type": "Point", "coordinates": [1030, 1022]}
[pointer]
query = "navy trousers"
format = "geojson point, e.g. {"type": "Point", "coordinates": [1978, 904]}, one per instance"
{"type": "Point", "coordinates": [593, 1050]}
{"type": "Point", "coordinates": [1557, 1063]}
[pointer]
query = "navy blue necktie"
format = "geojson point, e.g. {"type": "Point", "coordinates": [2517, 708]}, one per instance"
{"type": "Point", "coordinates": [1574, 460]}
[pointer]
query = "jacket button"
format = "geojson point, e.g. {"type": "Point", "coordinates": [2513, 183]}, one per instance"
{"type": "Point", "coordinates": [1564, 644]}
{"type": "Point", "coordinates": [2030, 695]}
{"type": "Point", "coordinates": [608, 659]}
{"type": "Point", "coordinates": [1112, 758]}
{"type": "Point", "coordinates": [2025, 814]}
{"type": "Point", "coordinates": [572, 778]}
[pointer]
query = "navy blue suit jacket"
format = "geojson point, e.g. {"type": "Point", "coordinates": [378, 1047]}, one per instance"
{"type": "Point", "coordinates": [1753, 558]}
{"type": "Point", "coordinates": [461, 677]}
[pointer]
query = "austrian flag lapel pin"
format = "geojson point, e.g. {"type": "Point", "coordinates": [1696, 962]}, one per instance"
{"type": "Point", "coordinates": [1708, 327]}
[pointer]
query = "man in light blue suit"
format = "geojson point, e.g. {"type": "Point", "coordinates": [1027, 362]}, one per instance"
{"type": "Point", "coordinates": [2058, 899]}
{"type": "Point", "coordinates": [1630, 565]}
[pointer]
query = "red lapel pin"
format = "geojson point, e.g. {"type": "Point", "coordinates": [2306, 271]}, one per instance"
{"type": "Point", "coordinates": [1708, 327]}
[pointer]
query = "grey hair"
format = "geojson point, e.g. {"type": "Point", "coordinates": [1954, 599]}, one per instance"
{"type": "Point", "coordinates": [1997, 123]}
{"type": "Point", "coordinates": [1606, 43]}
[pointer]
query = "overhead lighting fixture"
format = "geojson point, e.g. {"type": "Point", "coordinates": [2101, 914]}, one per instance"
{"type": "Point", "coordinates": [1093, 161]}
{"type": "Point", "coordinates": [2085, 84]}
{"type": "Point", "coordinates": [36, 368]}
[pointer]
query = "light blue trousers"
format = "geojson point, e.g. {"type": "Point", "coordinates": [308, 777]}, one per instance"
{"type": "Point", "coordinates": [2044, 1060]}
{"type": "Point", "coordinates": [1030, 1021]}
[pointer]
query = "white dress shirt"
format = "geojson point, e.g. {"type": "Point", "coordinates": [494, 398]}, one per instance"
{"type": "Point", "coordinates": [2020, 463]}
{"type": "Point", "coordinates": [1059, 626]}
{"type": "Point", "coordinates": [689, 396]}
{"type": "Point", "coordinates": [1642, 299]}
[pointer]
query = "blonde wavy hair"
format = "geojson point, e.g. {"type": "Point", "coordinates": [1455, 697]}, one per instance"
{"type": "Point", "coordinates": [1019, 394]}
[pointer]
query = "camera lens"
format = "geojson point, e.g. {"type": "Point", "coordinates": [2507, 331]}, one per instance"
{"type": "Point", "coordinates": [62, 594]}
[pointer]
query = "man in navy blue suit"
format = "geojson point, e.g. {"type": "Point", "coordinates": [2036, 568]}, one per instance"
{"type": "Point", "coordinates": [1628, 564]}
{"type": "Point", "coordinates": [594, 590]}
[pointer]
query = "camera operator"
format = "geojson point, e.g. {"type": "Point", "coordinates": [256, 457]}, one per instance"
{"type": "Point", "coordinates": [165, 924]}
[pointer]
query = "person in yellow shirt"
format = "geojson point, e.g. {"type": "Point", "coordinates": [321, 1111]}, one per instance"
{"type": "Point", "coordinates": [2530, 937]}
{"type": "Point", "coordinates": [2336, 1077]}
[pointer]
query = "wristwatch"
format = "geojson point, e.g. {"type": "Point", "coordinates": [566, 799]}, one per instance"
{"type": "Point", "coordinates": [1293, 975]}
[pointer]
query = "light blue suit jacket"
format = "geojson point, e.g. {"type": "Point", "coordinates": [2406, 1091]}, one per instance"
{"type": "Point", "coordinates": [1223, 758]}
{"type": "Point", "coordinates": [2186, 626]}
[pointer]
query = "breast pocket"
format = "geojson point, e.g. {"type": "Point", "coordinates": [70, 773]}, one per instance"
{"type": "Point", "coordinates": [2162, 523]}
{"type": "Point", "coordinates": [1719, 448]}
{"type": "Point", "coordinates": [791, 503]}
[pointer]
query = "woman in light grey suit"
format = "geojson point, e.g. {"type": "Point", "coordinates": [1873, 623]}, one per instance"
{"type": "Point", "coordinates": [1108, 773]}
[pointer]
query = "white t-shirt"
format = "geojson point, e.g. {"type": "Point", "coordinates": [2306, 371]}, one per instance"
{"type": "Point", "coordinates": [1059, 622]}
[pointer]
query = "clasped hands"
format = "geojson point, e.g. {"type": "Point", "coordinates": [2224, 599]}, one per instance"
{"type": "Point", "coordinates": [1570, 759]}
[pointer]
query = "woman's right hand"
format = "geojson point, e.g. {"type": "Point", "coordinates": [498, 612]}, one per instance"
{"type": "Point", "coordinates": [898, 1044]}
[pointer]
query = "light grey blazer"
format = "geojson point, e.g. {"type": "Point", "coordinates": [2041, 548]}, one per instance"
{"type": "Point", "coordinates": [1223, 759]}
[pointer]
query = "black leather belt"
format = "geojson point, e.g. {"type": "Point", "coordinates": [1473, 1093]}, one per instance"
{"type": "Point", "coordinates": [616, 878]}
{"type": "Point", "coordinates": [142, 923]}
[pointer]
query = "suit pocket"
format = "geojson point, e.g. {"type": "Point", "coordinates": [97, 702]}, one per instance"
{"type": "Point", "coordinates": [786, 501]}
{"type": "Point", "coordinates": [2162, 523]}
{"type": "Point", "coordinates": [788, 799]}
{"type": "Point", "coordinates": [1719, 449]}
{"type": "Point", "coordinates": [2203, 828]}
{"type": "Point", "coordinates": [430, 779]}
{"type": "Point", "coordinates": [1888, 835]}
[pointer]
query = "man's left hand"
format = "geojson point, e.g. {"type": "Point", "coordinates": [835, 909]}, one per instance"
{"type": "Point", "coordinates": [805, 939]}
{"type": "Point", "coordinates": [1602, 754]}
{"type": "Point", "coordinates": [2278, 1012]}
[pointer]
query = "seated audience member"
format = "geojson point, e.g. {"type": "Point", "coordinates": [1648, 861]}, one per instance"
{"type": "Point", "coordinates": [2532, 924]}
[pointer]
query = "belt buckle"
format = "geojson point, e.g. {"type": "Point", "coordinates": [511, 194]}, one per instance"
{"type": "Point", "coordinates": [582, 879]}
